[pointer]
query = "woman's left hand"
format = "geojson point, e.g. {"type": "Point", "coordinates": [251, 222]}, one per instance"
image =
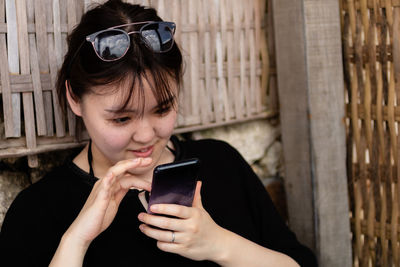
{"type": "Point", "coordinates": [193, 234]}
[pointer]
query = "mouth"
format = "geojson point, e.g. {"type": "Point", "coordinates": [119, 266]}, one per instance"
{"type": "Point", "coordinates": [143, 152]}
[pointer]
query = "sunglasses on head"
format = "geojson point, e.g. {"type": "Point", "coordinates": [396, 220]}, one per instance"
{"type": "Point", "coordinates": [112, 44]}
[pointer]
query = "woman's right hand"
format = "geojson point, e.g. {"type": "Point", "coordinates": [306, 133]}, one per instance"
{"type": "Point", "coordinates": [103, 202]}
{"type": "Point", "coordinates": [100, 209]}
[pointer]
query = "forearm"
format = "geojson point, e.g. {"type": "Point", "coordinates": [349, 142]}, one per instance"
{"type": "Point", "coordinates": [238, 251]}
{"type": "Point", "coordinates": [69, 253]}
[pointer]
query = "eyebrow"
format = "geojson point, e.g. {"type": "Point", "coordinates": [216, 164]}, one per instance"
{"type": "Point", "coordinates": [159, 105]}
{"type": "Point", "coordinates": [165, 102]}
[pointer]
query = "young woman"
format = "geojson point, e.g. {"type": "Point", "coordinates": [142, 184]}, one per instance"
{"type": "Point", "coordinates": [122, 76]}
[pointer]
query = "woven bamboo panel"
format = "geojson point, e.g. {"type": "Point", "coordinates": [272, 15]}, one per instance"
{"type": "Point", "coordinates": [371, 51]}
{"type": "Point", "coordinates": [225, 48]}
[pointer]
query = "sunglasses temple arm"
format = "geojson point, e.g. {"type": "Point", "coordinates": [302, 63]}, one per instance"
{"type": "Point", "coordinates": [133, 32]}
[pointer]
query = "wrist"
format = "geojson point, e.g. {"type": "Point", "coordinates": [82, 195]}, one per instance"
{"type": "Point", "coordinates": [221, 251]}
{"type": "Point", "coordinates": [70, 240]}
{"type": "Point", "coordinates": [70, 252]}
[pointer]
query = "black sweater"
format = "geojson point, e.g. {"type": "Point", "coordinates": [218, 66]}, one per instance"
{"type": "Point", "coordinates": [231, 193]}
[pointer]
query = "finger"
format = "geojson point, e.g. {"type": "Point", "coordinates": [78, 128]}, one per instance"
{"type": "Point", "coordinates": [179, 211]}
{"type": "Point", "coordinates": [129, 181]}
{"type": "Point", "coordinates": [120, 194]}
{"type": "Point", "coordinates": [162, 222]}
{"type": "Point", "coordinates": [102, 194]}
{"type": "Point", "coordinates": [160, 235]}
{"type": "Point", "coordinates": [125, 165]}
{"type": "Point", "coordinates": [169, 247]}
{"type": "Point", "coordinates": [104, 186]}
{"type": "Point", "coordinates": [197, 196]}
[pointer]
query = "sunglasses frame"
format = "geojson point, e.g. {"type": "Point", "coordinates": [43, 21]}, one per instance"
{"type": "Point", "coordinates": [91, 38]}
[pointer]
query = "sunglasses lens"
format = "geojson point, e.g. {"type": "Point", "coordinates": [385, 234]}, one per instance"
{"type": "Point", "coordinates": [158, 37]}
{"type": "Point", "coordinates": [112, 44]}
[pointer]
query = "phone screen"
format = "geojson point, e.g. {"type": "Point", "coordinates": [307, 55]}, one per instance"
{"type": "Point", "coordinates": [174, 183]}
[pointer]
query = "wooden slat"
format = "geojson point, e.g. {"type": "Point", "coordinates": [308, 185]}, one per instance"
{"type": "Point", "coordinates": [38, 93]}
{"type": "Point", "coordinates": [185, 28]}
{"type": "Point", "coordinates": [35, 73]}
{"type": "Point", "coordinates": [23, 82]}
{"type": "Point", "coordinates": [54, 43]}
{"type": "Point", "coordinates": [210, 39]}
{"type": "Point", "coordinates": [395, 139]}
{"type": "Point", "coordinates": [325, 102]}
{"type": "Point", "coordinates": [256, 54]}
{"type": "Point", "coordinates": [308, 50]}
{"type": "Point", "coordinates": [203, 92]}
{"type": "Point", "coordinates": [245, 51]}
{"type": "Point", "coordinates": [184, 106]}
{"type": "Point", "coordinates": [292, 83]}
{"type": "Point", "coordinates": [220, 53]}
{"type": "Point", "coordinates": [194, 62]}
{"type": "Point", "coordinates": [14, 129]}
{"type": "Point", "coordinates": [272, 88]}
{"type": "Point", "coordinates": [205, 65]}
{"type": "Point", "coordinates": [28, 107]}
{"type": "Point", "coordinates": [5, 80]}
{"type": "Point", "coordinates": [237, 11]}
{"type": "Point", "coordinates": [71, 20]}
{"type": "Point", "coordinates": [265, 76]}
{"type": "Point", "coordinates": [41, 40]}
{"type": "Point", "coordinates": [230, 55]}
{"type": "Point", "coordinates": [42, 48]}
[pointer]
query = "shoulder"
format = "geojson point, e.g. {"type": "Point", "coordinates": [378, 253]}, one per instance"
{"type": "Point", "coordinates": [34, 193]}
{"type": "Point", "coordinates": [209, 148]}
{"type": "Point", "coordinates": [221, 164]}
{"type": "Point", "coordinates": [32, 223]}
{"type": "Point", "coordinates": [45, 193]}
{"type": "Point", "coordinates": [55, 178]}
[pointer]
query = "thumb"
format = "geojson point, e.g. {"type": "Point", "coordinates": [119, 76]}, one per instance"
{"type": "Point", "coordinates": [197, 196]}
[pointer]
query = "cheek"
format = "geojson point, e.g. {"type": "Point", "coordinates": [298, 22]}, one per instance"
{"type": "Point", "coordinates": [116, 140]}
{"type": "Point", "coordinates": [111, 139]}
{"type": "Point", "coordinates": [166, 126]}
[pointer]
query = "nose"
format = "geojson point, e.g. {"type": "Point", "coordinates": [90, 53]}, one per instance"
{"type": "Point", "coordinates": [144, 131]}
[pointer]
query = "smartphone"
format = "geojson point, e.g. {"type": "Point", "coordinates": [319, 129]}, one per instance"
{"type": "Point", "coordinates": [174, 183]}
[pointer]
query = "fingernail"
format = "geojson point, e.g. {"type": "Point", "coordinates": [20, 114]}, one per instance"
{"type": "Point", "coordinates": [154, 208]}
{"type": "Point", "coordinates": [140, 216]}
{"type": "Point", "coordinates": [136, 160]}
{"type": "Point", "coordinates": [141, 227]}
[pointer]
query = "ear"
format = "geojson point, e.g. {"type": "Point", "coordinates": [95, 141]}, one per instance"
{"type": "Point", "coordinates": [74, 105]}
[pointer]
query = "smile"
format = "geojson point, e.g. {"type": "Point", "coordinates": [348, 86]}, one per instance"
{"type": "Point", "coordinates": [143, 152]}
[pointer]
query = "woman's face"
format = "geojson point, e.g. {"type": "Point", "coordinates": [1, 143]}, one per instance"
{"type": "Point", "coordinates": [125, 135]}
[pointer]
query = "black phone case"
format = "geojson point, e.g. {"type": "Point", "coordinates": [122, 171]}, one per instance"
{"type": "Point", "coordinates": [174, 183]}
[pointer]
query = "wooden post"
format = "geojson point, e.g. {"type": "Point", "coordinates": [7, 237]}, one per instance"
{"type": "Point", "coordinates": [310, 81]}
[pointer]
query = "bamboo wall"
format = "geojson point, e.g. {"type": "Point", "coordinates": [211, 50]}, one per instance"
{"type": "Point", "coordinates": [371, 49]}
{"type": "Point", "coordinates": [224, 43]}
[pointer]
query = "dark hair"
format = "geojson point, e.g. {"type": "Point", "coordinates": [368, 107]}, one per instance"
{"type": "Point", "coordinates": [83, 69]}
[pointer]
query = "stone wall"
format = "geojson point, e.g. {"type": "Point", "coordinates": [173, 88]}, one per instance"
{"type": "Point", "coordinates": [258, 142]}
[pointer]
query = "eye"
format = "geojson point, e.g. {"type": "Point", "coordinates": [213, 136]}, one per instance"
{"type": "Point", "coordinates": [163, 110]}
{"type": "Point", "coordinates": [121, 120]}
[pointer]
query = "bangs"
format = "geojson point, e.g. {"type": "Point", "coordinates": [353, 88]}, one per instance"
{"type": "Point", "coordinates": [131, 89]}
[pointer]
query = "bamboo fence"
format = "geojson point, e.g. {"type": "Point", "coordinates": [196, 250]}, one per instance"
{"type": "Point", "coordinates": [371, 53]}
{"type": "Point", "coordinates": [225, 48]}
